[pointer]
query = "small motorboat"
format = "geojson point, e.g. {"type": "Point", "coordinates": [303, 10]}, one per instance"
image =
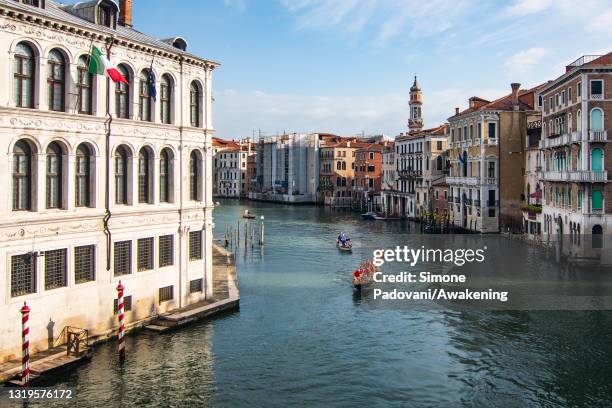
{"type": "Point", "coordinates": [386, 217]}
{"type": "Point", "coordinates": [370, 215]}
{"type": "Point", "coordinates": [247, 214]}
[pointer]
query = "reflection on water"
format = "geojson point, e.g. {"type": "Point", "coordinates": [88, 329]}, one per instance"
{"type": "Point", "coordinates": [302, 338]}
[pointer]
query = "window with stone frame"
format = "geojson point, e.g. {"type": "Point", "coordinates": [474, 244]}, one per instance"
{"type": "Point", "coordinates": [23, 274]}
{"type": "Point", "coordinates": [123, 258]}
{"type": "Point", "coordinates": [145, 254]}
{"type": "Point", "coordinates": [195, 245]}
{"type": "Point", "coordinates": [55, 269]}
{"type": "Point", "coordinates": [166, 250]}
{"type": "Point", "coordinates": [84, 263]}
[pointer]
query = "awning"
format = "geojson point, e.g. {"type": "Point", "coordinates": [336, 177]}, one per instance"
{"type": "Point", "coordinates": [537, 194]}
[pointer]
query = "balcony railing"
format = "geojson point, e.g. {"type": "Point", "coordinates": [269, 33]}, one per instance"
{"type": "Point", "coordinates": [597, 96]}
{"type": "Point", "coordinates": [598, 136]}
{"type": "Point", "coordinates": [580, 176]}
{"type": "Point", "coordinates": [476, 203]}
{"type": "Point", "coordinates": [457, 200]}
{"type": "Point", "coordinates": [492, 141]}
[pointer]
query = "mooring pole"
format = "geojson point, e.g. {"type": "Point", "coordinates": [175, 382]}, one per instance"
{"type": "Point", "coordinates": [25, 345]}
{"type": "Point", "coordinates": [261, 231]}
{"type": "Point", "coordinates": [121, 313]}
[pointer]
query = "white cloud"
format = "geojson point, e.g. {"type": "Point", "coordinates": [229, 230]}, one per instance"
{"type": "Point", "coordinates": [388, 19]}
{"type": "Point", "coordinates": [602, 23]}
{"type": "Point", "coordinates": [525, 7]}
{"type": "Point", "coordinates": [524, 61]}
{"type": "Point", "coordinates": [240, 5]}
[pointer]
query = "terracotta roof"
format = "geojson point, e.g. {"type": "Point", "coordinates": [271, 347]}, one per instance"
{"type": "Point", "coordinates": [526, 102]}
{"type": "Point", "coordinates": [439, 130]}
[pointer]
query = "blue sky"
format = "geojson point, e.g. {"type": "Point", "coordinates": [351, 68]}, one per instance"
{"type": "Point", "coordinates": [346, 66]}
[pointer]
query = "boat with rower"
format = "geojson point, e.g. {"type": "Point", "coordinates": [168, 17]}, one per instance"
{"type": "Point", "coordinates": [344, 243]}
{"type": "Point", "coordinates": [362, 276]}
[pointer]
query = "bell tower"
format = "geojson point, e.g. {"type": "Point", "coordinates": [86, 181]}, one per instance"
{"type": "Point", "coordinates": [415, 121]}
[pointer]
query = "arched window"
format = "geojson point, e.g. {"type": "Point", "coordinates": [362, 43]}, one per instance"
{"type": "Point", "coordinates": [166, 99]}
{"type": "Point", "coordinates": [194, 176]}
{"type": "Point", "coordinates": [194, 104]}
{"type": "Point", "coordinates": [597, 232]}
{"type": "Point", "coordinates": [338, 166]}
{"type": "Point", "coordinates": [144, 96]}
{"type": "Point", "coordinates": [144, 176]}
{"type": "Point", "coordinates": [465, 164]}
{"type": "Point", "coordinates": [82, 196]}
{"type": "Point", "coordinates": [122, 94]}
{"type": "Point", "coordinates": [597, 159]}
{"type": "Point", "coordinates": [596, 120]}
{"type": "Point", "coordinates": [54, 176]}
{"type": "Point", "coordinates": [579, 120]}
{"type": "Point", "coordinates": [121, 175]}
{"type": "Point", "coordinates": [84, 85]}
{"type": "Point", "coordinates": [22, 176]}
{"type": "Point", "coordinates": [23, 76]}
{"type": "Point", "coordinates": [56, 80]}
{"type": "Point", "coordinates": [165, 165]}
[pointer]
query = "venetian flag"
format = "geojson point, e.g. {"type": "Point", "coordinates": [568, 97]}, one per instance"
{"type": "Point", "coordinates": [100, 65]}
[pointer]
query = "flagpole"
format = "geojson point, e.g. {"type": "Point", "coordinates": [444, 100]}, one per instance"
{"type": "Point", "coordinates": [109, 121]}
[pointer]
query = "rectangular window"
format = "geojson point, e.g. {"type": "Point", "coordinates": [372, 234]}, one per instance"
{"type": "Point", "coordinates": [195, 245]}
{"type": "Point", "coordinates": [579, 199]}
{"type": "Point", "coordinates": [196, 285]}
{"type": "Point", "coordinates": [123, 258]}
{"type": "Point", "coordinates": [55, 269]}
{"type": "Point", "coordinates": [145, 254]}
{"type": "Point", "coordinates": [540, 101]}
{"type": "Point", "coordinates": [579, 89]}
{"type": "Point", "coordinates": [166, 250]}
{"type": "Point", "coordinates": [550, 103]}
{"type": "Point", "coordinates": [23, 274]}
{"type": "Point", "coordinates": [491, 201]}
{"type": "Point", "coordinates": [439, 145]}
{"type": "Point", "coordinates": [127, 304]}
{"type": "Point", "coordinates": [563, 97]}
{"type": "Point", "coordinates": [491, 169]}
{"type": "Point", "coordinates": [84, 263]}
{"type": "Point", "coordinates": [596, 88]}
{"type": "Point", "coordinates": [166, 294]}
{"type": "Point", "coordinates": [569, 94]}
{"type": "Point", "coordinates": [479, 130]}
{"type": "Point", "coordinates": [492, 131]}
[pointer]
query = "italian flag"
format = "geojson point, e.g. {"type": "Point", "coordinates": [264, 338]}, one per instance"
{"type": "Point", "coordinates": [100, 65]}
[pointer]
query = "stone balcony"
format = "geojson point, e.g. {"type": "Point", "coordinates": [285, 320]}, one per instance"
{"type": "Point", "coordinates": [598, 136]}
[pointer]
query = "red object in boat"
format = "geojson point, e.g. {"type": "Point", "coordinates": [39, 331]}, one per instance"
{"type": "Point", "coordinates": [357, 273]}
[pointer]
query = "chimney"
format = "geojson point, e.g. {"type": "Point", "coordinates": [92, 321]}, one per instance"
{"type": "Point", "coordinates": [125, 13]}
{"type": "Point", "coordinates": [456, 111]}
{"type": "Point", "coordinates": [515, 95]}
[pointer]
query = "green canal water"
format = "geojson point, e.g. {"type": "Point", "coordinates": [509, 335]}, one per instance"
{"type": "Point", "coordinates": [302, 339]}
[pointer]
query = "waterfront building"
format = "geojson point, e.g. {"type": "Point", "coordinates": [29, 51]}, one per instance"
{"type": "Point", "coordinates": [440, 203]}
{"type": "Point", "coordinates": [367, 186]}
{"type": "Point", "coordinates": [486, 159]}
{"type": "Point", "coordinates": [532, 195]}
{"type": "Point", "coordinates": [576, 153]}
{"type": "Point", "coordinates": [337, 171]}
{"type": "Point", "coordinates": [388, 175]}
{"type": "Point", "coordinates": [88, 201]}
{"type": "Point", "coordinates": [435, 143]}
{"type": "Point", "coordinates": [230, 167]}
{"type": "Point", "coordinates": [251, 171]}
{"type": "Point", "coordinates": [288, 168]}
{"type": "Point", "coordinates": [409, 160]}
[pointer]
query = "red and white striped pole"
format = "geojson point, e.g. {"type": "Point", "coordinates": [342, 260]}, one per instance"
{"type": "Point", "coordinates": [121, 312]}
{"type": "Point", "coordinates": [25, 345]}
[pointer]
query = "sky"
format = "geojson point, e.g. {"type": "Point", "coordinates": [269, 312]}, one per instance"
{"type": "Point", "coordinates": [346, 66]}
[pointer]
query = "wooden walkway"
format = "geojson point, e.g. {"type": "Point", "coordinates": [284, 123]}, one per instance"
{"type": "Point", "coordinates": [42, 363]}
{"type": "Point", "coordinates": [226, 296]}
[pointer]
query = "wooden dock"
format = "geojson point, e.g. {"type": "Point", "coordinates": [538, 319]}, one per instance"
{"type": "Point", "coordinates": [226, 296]}
{"type": "Point", "coordinates": [41, 364]}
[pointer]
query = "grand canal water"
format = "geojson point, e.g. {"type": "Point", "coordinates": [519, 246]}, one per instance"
{"type": "Point", "coordinates": [302, 339]}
